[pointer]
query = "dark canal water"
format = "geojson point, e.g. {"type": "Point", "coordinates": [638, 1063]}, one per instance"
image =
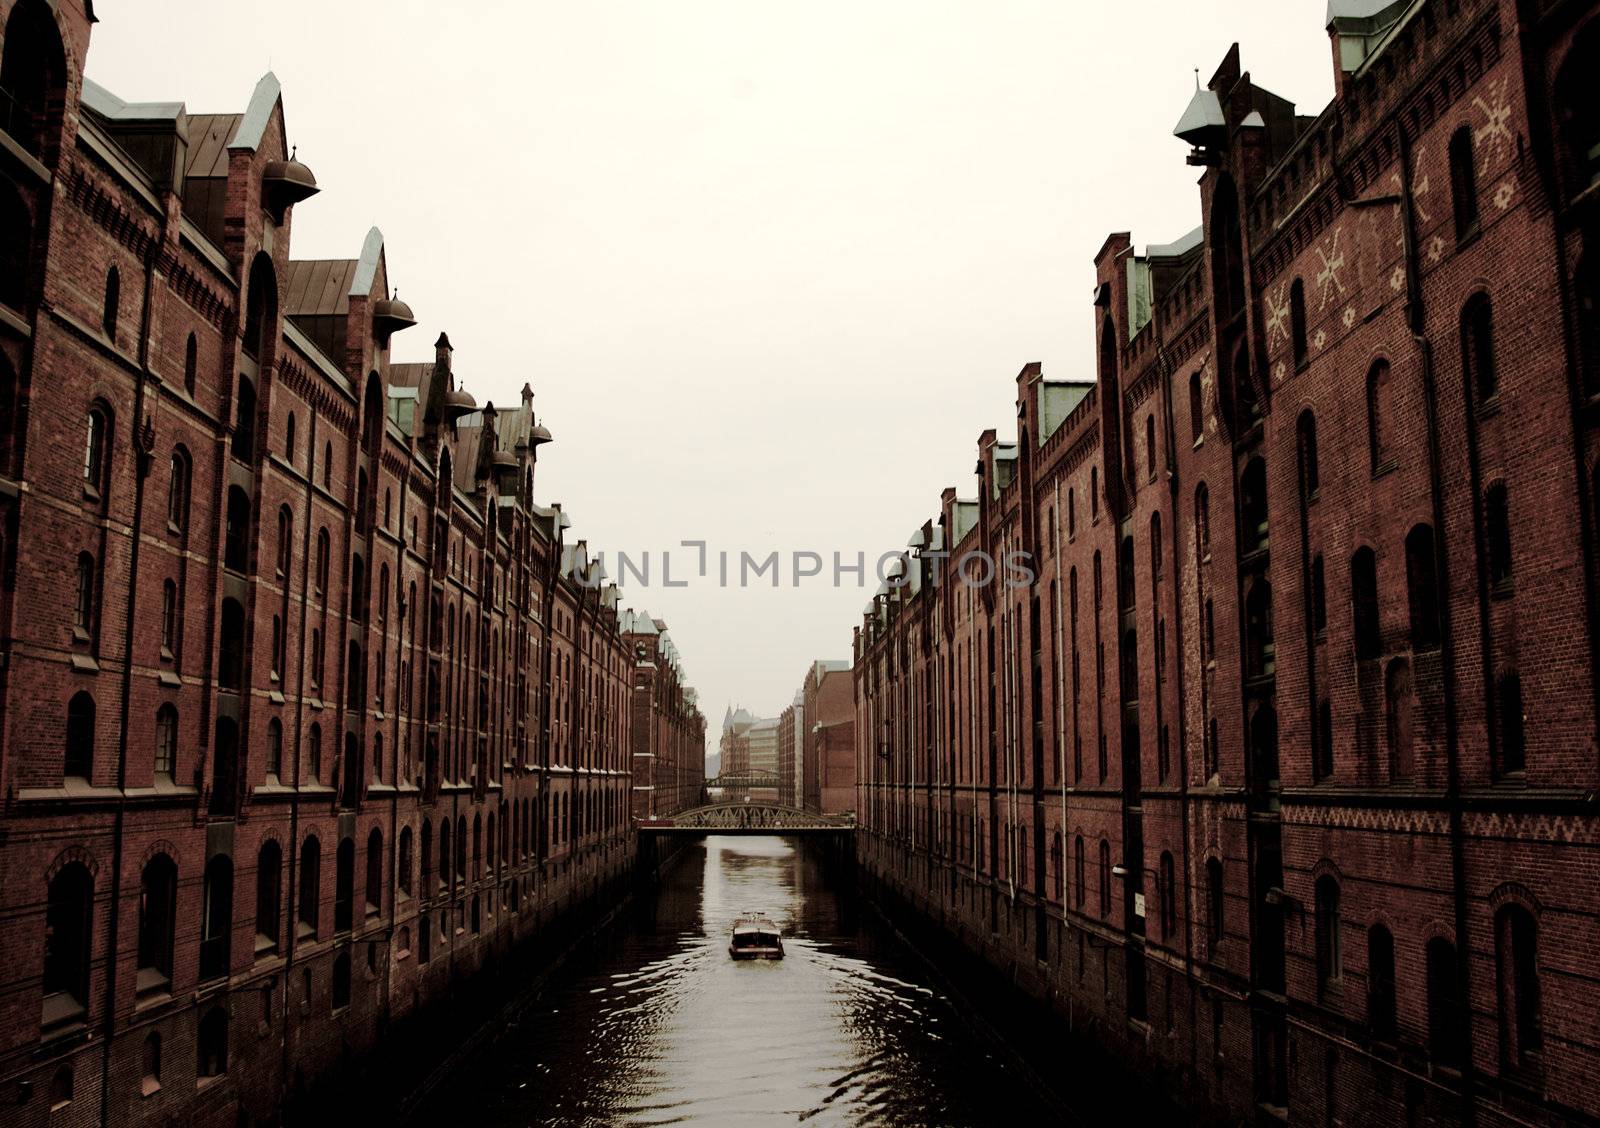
{"type": "Point", "coordinates": [656, 1025]}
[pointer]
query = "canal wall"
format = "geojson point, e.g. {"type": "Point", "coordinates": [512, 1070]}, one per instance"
{"type": "Point", "coordinates": [1062, 1009]}
{"type": "Point", "coordinates": [480, 981]}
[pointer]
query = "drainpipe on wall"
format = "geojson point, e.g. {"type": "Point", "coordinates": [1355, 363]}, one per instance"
{"type": "Point", "coordinates": [143, 444]}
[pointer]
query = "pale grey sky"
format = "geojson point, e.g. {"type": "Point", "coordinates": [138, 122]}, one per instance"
{"type": "Point", "coordinates": [770, 268]}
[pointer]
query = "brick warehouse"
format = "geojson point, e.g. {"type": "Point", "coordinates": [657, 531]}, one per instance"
{"type": "Point", "coordinates": [1279, 778]}
{"type": "Point", "coordinates": [308, 710]}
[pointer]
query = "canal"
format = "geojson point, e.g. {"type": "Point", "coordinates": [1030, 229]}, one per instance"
{"type": "Point", "coordinates": [653, 1024]}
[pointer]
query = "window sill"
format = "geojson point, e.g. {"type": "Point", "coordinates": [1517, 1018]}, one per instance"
{"type": "Point", "coordinates": [1490, 407]}
{"type": "Point", "coordinates": [1503, 589]}
{"type": "Point", "coordinates": [1383, 468]}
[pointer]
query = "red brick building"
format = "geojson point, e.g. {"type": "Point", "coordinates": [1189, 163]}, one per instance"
{"type": "Point", "coordinates": [829, 738]}
{"type": "Point", "coordinates": [1278, 778]}
{"type": "Point", "coordinates": [667, 733]}
{"type": "Point", "coordinates": [306, 705]}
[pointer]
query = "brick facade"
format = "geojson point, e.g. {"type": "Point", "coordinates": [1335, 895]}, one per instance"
{"type": "Point", "coordinates": [1277, 774]}
{"type": "Point", "coordinates": [307, 707]}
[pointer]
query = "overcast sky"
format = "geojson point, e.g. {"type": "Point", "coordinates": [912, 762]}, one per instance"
{"type": "Point", "coordinates": [770, 268]}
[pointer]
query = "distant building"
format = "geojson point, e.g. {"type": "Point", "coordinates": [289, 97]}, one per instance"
{"type": "Point", "coordinates": [829, 746]}
{"type": "Point", "coordinates": [667, 730]}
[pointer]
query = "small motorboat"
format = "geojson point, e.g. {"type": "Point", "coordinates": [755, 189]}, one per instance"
{"type": "Point", "coordinates": [755, 937]}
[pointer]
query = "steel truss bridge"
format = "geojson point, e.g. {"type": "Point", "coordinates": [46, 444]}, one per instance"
{"type": "Point", "coordinates": [749, 781]}
{"type": "Point", "coordinates": [747, 818]}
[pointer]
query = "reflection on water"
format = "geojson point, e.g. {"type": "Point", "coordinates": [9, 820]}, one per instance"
{"type": "Point", "coordinates": [659, 1026]}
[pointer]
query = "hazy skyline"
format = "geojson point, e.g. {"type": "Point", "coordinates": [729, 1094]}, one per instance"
{"type": "Point", "coordinates": [726, 241]}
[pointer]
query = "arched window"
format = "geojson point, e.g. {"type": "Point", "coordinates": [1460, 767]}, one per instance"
{"type": "Point", "coordinates": [1497, 518]}
{"type": "Point", "coordinates": [1381, 995]}
{"type": "Point", "coordinates": [285, 540]}
{"type": "Point", "coordinates": [1322, 752]}
{"type": "Point", "coordinates": [216, 917]}
{"type": "Point", "coordinates": [309, 901]}
{"type": "Point", "coordinates": [178, 491]}
{"type": "Point", "coordinates": [1446, 1017]}
{"type": "Point", "coordinates": [1330, 960]}
{"type": "Point", "coordinates": [158, 905]}
{"type": "Point", "coordinates": [1379, 391]}
{"type": "Point", "coordinates": [355, 671]}
{"type": "Point", "coordinates": [403, 862]}
{"type": "Point", "coordinates": [375, 872]}
{"type": "Point", "coordinates": [1423, 588]}
{"type": "Point", "coordinates": [288, 440]}
{"type": "Point", "coordinates": [314, 753]}
{"type": "Point", "coordinates": [1094, 493]}
{"type": "Point", "coordinates": [96, 451]}
{"type": "Point", "coordinates": [1264, 747]}
{"type": "Point", "coordinates": [356, 597]}
{"type": "Point", "coordinates": [444, 853]}
{"type": "Point", "coordinates": [1214, 903]}
{"type": "Point", "coordinates": [150, 1072]}
{"type": "Point", "coordinates": [236, 542]}
{"type": "Point", "coordinates": [269, 896]}
{"type": "Point", "coordinates": [425, 855]}
{"type": "Point", "coordinates": [461, 847]}
{"type": "Point", "coordinates": [1156, 569]}
{"type": "Point", "coordinates": [1202, 519]}
{"type": "Point", "coordinates": [1072, 512]}
{"type": "Point", "coordinates": [169, 620]}
{"type": "Point", "coordinates": [339, 988]}
{"type": "Point", "coordinates": [166, 742]}
{"type": "Point", "coordinates": [191, 364]}
{"type": "Point", "coordinates": [1399, 712]}
{"type": "Point", "coordinates": [1477, 349]}
{"type": "Point", "coordinates": [1260, 647]}
{"type": "Point", "coordinates": [327, 466]}
{"type": "Point", "coordinates": [1169, 896]}
{"type": "Point", "coordinates": [1297, 321]}
{"type": "Point", "coordinates": [344, 885]}
{"type": "Point", "coordinates": [83, 599]}
{"type": "Point", "coordinates": [61, 1089]}
{"type": "Point", "coordinates": [80, 737]}
{"type": "Point", "coordinates": [33, 78]}
{"type": "Point", "coordinates": [244, 421]}
{"type": "Point", "coordinates": [261, 305]}
{"type": "Point", "coordinates": [1517, 960]}
{"type": "Point", "coordinates": [372, 415]}
{"type": "Point", "coordinates": [225, 768]}
{"type": "Point", "coordinates": [1463, 183]}
{"type": "Point", "coordinates": [324, 551]}
{"type": "Point", "coordinates": [1253, 505]}
{"type": "Point", "coordinates": [1310, 476]}
{"type": "Point", "coordinates": [113, 304]}
{"type": "Point", "coordinates": [230, 670]}
{"type": "Point", "coordinates": [1057, 868]}
{"type": "Point", "coordinates": [1513, 738]}
{"type": "Point", "coordinates": [211, 1047]}
{"type": "Point", "coordinates": [69, 910]}
{"type": "Point", "coordinates": [1105, 878]}
{"type": "Point", "coordinates": [1197, 409]}
{"type": "Point", "coordinates": [1364, 603]}
{"type": "Point", "coordinates": [274, 749]}
{"type": "Point", "coordinates": [1150, 447]}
